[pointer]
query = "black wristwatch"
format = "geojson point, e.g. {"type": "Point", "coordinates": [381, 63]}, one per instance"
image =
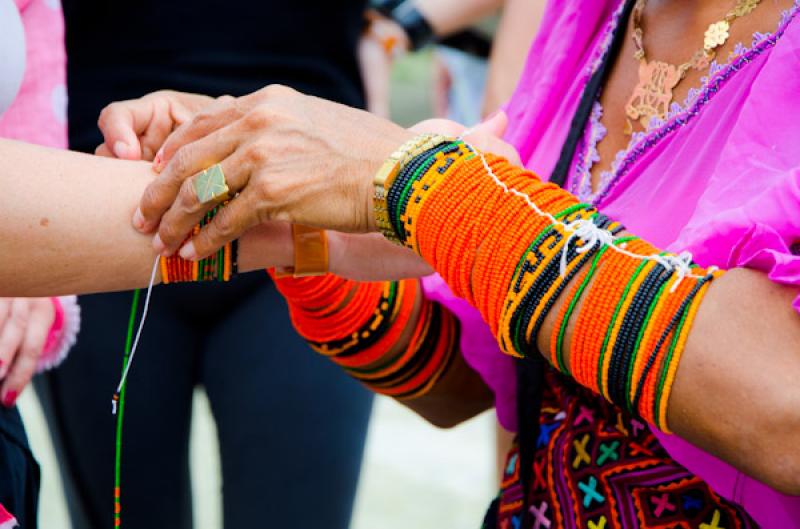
{"type": "Point", "coordinates": [407, 16]}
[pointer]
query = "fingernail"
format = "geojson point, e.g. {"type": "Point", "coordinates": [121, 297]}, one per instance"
{"type": "Point", "coordinates": [158, 244]}
{"type": "Point", "coordinates": [138, 220]}
{"type": "Point", "coordinates": [121, 149]}
{"type": "Point", "coordinates": [158, 161]}
{"type": "Point", "coordinates": [9, 399]}
{"type": "Point", "coordinates": [188, 252]}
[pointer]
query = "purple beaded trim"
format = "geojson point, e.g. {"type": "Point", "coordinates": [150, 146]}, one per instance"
{"type": "Point", "coordinates": [587, 156]}
{"type": "Point", "coordinates": [719, 76]}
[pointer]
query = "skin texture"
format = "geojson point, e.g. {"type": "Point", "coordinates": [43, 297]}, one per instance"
{"type": "Point", "coordinates": [735, 393]}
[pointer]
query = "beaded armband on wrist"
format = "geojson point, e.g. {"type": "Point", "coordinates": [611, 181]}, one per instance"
{"type": "Point", "coordinates": [515, 247]}
{"type": "Point", "coordinates": [357, 326]}
{"type": "Point", "coordinates": [220, 266]}
{"type": "Point", "coordinates": [388, 172]}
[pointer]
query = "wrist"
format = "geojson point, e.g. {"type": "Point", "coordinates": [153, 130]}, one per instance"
{"type": "Point", "coordinates": [384, 148]}
{"type": "Point", "coordinates": [266, 246]}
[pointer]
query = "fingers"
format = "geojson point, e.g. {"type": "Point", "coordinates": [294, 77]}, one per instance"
{"type": "Point", "coordinates": [191, 159]}
{"type": "Point", "coordinates": [13, 332]}
{"type": "Point", "coordinates": [229, 224]}
{"type": "Point", "coordinates": [40, 318]}
{"type": "Point", "coordinates": [103, 151]}
{"type": "Point", "coordinates": [219, 114]}
{"type": "Point", "coordinates": [496, 124]}
{"type": "Point", "coordinates": [121, 124]}
{"type": "Point", "coordinates": [187, 210]}
{"type": "Point", "coordinates": [162, 121]}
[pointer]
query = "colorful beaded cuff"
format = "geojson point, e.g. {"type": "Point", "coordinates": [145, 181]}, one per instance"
{"type": "Point", "coordinates": [515, 247]}
{"type": "Point", "coordinates": [222, 265]}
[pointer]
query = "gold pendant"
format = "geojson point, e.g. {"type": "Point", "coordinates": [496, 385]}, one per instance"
{"type": "Point", "coordinates": [653, 95]}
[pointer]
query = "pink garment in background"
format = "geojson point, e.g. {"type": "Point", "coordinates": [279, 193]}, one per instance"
{"type": "Point", "coordinates": [38, 115]}
{"type": "Point", "coordinates": [719, 178]}
{"type": "Point", "coordinates": [39, 112]}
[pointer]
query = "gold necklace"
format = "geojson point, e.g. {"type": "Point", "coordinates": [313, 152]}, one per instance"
{"type": "Point", "coordinates": [653, 94]}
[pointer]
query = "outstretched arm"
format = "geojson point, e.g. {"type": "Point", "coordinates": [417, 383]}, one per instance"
{"type": "Point", "coordinates": [66, 224]}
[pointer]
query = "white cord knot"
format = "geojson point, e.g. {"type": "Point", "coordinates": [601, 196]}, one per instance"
{"type": "Point", "coordinates": [681, 264]}
{"type": "Point", "coordinates": [589, 234]}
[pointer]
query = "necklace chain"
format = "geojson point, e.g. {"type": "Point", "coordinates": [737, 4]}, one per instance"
{"type": "Point", "coordinates": [653, 94]}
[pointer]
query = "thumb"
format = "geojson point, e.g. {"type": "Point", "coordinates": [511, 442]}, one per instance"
{"type": "Point", "coordinates": [495, 125]}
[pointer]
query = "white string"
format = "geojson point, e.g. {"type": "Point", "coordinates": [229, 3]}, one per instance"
{"type": "Point", "coordinates": [138, 333]}
{"type": "Point", "coordinates": [590, 234]}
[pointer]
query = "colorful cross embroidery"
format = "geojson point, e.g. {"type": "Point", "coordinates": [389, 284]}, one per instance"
{"type": "Point", "coordinates": [690, 502]}
{"type": "Point", "coordinates": [637, 449]}
{"type": "Point", "coordinates": [545, 431]}
{"type": "Point", "coordinates": [585, 414]}
{"type": "Point", "coordinates": [590, 492]}
{"type": "Point", "coordinates": [538, 474]}
{"type": "Point", "coordinates": [621, 425]}
{"type": "Point", "coordinates": [661, 504]}
{"type": "Point", "coordinates": [540, 519]}
{"type": "Point", "coordinates": [599, 524]}
{"type": "Point", "coordinates": [637, 427]}
{"type": "Point", "coordinates": [608, 452]}
{"type": "Point", "coordinates": [580, 449]}
{"type": "Point", "coordinates": [714, 522]}
{"type": "Point", "coordinates": [512, 465]}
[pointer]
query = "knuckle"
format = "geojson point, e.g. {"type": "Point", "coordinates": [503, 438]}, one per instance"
{"type": "Point", "coordinates": [187, 198]}
{"type": "Point", "coordinates": [255, 153]}
{"type": "Point", "coordinates": [163, 93]}
{"type": "Point", "coordinates": [258, 118]}
{"type": "Point", "coordinates": [151, 200]}
{"type": "Point", "coordinates": [278, 91]}
{"type": "Point", "coordinates": [106, 114]}
{"type": "Point", "coordinates": [169, 233]}
{"type": "Point", "coordinates": [265, 191]}
{"type": "Point", "coordinates": [182, 162]}
{"type": "Point", "coordinates": [225, 225]}
{"type": "Point", "coordinates": [226, 100]}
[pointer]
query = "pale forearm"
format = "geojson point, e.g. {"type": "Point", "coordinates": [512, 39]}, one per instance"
{"type": "Point", "coordinates": [67, 224]}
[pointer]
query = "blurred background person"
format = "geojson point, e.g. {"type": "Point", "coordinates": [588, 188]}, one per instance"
{"type": "Point", "coordinates": [291, 428]}
{"type": "Point", "coordinates": [478, 55]}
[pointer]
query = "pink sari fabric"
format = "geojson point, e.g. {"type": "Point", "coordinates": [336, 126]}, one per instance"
{"type": "Point", "coordinates": [719, 178]}
{"type": "Point", "coordinates": [39, 112]}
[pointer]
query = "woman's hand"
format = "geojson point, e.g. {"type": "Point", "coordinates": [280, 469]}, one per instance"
{"type": "Point", "coordinates": [136, 129]}
{"type": "Point", "coordinates": [289, 157]}
{"type": "Point", "coordinates": [24, 326]}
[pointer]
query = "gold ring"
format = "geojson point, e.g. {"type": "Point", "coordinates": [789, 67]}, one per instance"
{"type": "Point", "coordinates": [210, 185]}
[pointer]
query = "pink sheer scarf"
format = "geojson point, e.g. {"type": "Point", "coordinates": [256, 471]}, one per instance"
{"type": "Point", "coordinates": [720, 178]}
